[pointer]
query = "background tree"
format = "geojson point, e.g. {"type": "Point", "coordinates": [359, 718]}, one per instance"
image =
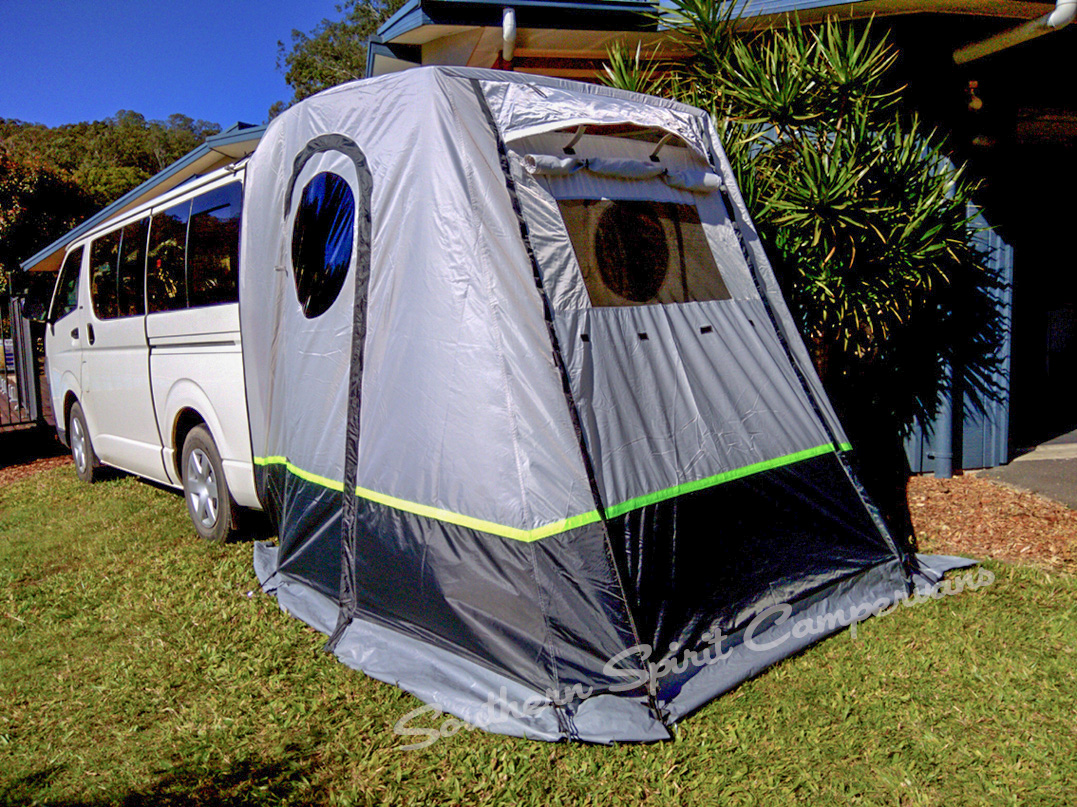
{"type": "Point", "coordinates": [864, 218]}
{"type": "Point", "coordinates": [105, 158]}
{"type": "Point", "coordinates": [334, 52]}
{"type": "Point", "coordinates": [36, 204]}
{"type": "Point", "coordinates": [53, 178]}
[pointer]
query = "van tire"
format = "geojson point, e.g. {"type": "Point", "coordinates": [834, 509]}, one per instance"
{"type": "Point", "coordinates": [78, 436]}
{"type": "Point", "coordinates": [209, 503]}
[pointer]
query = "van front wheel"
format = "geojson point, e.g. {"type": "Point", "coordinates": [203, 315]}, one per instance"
{"type": "Point", "coordinates": [209, 503]}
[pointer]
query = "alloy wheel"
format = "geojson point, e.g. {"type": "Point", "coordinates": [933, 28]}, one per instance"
{"type": "Point", "coordinates": [202, 488]}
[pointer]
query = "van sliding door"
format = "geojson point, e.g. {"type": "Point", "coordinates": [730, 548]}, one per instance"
{"type": "Point", "coordinates": [115, 372]}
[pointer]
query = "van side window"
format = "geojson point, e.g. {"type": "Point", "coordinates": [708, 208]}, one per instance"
{"type": "Point", "coordinates": [67, 289]}
{"type": "Point", "coordinates": [166, 276]}
{"type": "Point", "coordinates": [104, 254]}
{"type": "Point", "coordinates": [213, 246]}
{"type": "Point", "coordinates": [130, 298]}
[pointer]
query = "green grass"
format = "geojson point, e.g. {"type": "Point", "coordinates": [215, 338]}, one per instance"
{"type": "Point", "coordinates": [141, 666]}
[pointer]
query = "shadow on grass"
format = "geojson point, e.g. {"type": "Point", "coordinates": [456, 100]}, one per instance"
{"type": "Point", "coordinates": [254, 525]}
{"type": "Point", "coordinates": [26, 445]}
{"type": "Point", "coordinates": [243, 782]}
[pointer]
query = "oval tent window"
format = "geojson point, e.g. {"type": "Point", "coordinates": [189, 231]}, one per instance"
{"type": "Point", "coordinates": [322, 242]}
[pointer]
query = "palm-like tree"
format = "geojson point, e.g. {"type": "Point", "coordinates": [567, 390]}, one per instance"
{"type": "Point", "coordinates": [863, 215]}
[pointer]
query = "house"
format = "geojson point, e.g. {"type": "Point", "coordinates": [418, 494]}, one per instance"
{"type": "Point", "coordinates": [994, 75]}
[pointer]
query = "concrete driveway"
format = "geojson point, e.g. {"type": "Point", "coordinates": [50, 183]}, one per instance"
{"type": "Point", "coordinates": [1050, 470]}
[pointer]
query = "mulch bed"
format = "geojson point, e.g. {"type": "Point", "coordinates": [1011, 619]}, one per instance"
{"type": "Point", "coordinates": [980, 519]}
{"type": "Point", "coordinates": [14, 473]}
{"type": "Point", "coordinates": [960, 516]}
{"type": "Point", "coordinates": [25, 452]}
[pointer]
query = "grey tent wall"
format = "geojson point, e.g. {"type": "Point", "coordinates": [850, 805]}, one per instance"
{"type": "Point", "coordinates": [437, 593]}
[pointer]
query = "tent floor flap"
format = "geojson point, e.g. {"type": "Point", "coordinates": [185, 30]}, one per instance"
{"type": "Point", "coordinates": [483, 698]}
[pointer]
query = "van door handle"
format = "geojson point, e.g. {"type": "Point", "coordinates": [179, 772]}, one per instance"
{"type": "Point", "coordinates": [74, 333]}
{"type": "Point", "coordinates": [89, 332]}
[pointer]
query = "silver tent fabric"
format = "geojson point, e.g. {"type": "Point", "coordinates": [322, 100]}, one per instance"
{"type": "Point", "coordinates": [704, 404]}
{"type": "Point", "coordinates": [697, 181]}
{"type": "Point", "coordinates": [468, 325]}
{"type": "Point", "coordinates": [523, 507]}
{"type": "Point", "coordinates": [453, 311]}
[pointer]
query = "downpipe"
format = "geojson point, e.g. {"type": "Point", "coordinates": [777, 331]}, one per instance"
{"type": "Point", "coordinates": [508, 33]}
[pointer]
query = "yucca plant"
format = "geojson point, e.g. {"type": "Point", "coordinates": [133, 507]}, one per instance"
{"type": "Point", "coordinates": [626, 71]}
{"type": "Point", "coordinates": [864, 217]}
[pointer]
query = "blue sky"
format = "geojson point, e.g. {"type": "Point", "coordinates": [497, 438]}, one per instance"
{"type": "Point", "coordinates": [65, 61]}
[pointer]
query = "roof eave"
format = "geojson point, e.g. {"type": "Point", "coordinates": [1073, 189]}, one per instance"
{"type": "Point", "coordinates": [550, 14]}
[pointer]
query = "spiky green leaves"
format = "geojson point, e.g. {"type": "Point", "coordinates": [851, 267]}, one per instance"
{"type": "Point", "coordinates": [864, 217]}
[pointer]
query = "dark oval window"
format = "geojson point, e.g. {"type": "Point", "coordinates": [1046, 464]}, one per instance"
{"type": "Point", "coordinates": [631, 250]}
{"type": "Point", "coordinates": [322, 242]}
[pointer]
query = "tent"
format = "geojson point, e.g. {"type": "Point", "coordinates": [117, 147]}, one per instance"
{"type": "Point", "coordinates": [541, 440]}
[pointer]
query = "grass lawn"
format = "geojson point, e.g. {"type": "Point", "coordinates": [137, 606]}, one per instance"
{"type": "Point", "coordinates": [141, 666]}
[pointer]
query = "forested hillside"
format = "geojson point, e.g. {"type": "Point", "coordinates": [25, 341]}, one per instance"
{"type": "Point", "coordinates": [53, 178]}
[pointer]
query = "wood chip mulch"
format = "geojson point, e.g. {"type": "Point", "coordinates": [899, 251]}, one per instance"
{"type": "Point", "coordinates": [979, 519]}
{"type": "Point", "coordinates": [13, 473]}
{"type": "Point", "coordinates": [24, 452]}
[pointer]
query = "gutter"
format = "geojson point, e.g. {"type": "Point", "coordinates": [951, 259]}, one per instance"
{"type": "Point", "coordinates": [1063, 15]}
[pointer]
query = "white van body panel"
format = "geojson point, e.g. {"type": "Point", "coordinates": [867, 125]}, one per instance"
{"type": "Point", "coordinates": [212, 391]}
{"type": "Point", "coordinates": [63, 378]}
{"type": "Point", "coordinates": [115, 394]}
{"type": "Point", "coordinates": [63, 351]}
{"type": "Point", "coordinates": [143, 372]}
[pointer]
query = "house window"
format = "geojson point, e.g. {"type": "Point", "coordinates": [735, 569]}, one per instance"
{"type": "Point", "coordinates": [641, 252]}
{"type": "Point", "coordinates": [322, 239]}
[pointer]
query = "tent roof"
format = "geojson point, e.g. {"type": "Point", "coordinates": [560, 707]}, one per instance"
{"type": "Point", "coordinates": [231, 145]}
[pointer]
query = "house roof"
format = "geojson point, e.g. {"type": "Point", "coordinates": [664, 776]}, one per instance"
{"type": "Point", "coordinates": [576, 33]}
{"type": "Point", "coordinates": [554, 33]}
{"type": "Point", "coordinates": [404, 26]}
{"type": "Point", "coordinates": [809, 9]}
{"type": "Point", "coordinates": [219, 150]}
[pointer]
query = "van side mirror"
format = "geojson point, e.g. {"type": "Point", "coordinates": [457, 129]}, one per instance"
{"type": "Point", "coordinates": [34, 309]}
{"type": "Point", "coordinates": [34, 291]}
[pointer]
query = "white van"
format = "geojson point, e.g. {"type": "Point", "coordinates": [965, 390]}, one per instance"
{"type": "Point", "coordinates": [143, 350]}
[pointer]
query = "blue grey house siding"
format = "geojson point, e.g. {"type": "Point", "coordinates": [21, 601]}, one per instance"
{"type": "Point", "coordinates": [981, 428]}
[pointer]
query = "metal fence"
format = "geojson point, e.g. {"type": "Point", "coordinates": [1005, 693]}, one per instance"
{"type": "Point", "coordinates": [20, 383]}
